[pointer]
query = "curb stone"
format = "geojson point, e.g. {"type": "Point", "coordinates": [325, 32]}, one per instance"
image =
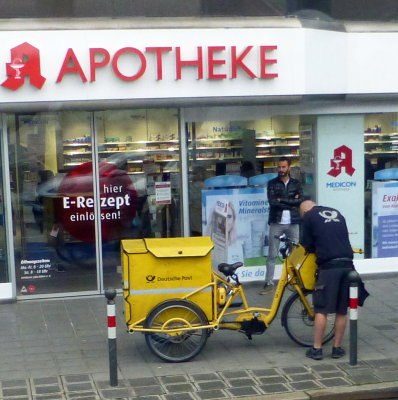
{"type": "Point", "coordinates": [279, 396]}
{"type": "Point", "coordinates": [385, 390]}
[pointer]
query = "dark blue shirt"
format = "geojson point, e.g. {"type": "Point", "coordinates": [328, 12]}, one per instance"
{"type": "Point", "coordinates": [325, 233]}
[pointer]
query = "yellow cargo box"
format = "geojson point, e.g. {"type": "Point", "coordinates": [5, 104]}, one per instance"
{"type": "Point", "coordinates": [306, 264]}
{"type": "Point", "coordinates": [155, 270]}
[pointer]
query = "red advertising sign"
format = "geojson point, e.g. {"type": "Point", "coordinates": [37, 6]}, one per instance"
{"type": "Point", "coordinates": [118, 200]}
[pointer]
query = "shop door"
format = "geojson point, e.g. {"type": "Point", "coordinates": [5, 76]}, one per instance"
{"type": "Point", "coordinates": [52, 203]}
{"type": "Point", "coordinates": [139, 180]}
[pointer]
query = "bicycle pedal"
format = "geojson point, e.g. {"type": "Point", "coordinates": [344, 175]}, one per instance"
{"type": "Point", "coordinates": [252, 327]}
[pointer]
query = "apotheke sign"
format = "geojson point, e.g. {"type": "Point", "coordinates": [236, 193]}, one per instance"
{"type": "Point", "coordinates": [118, 64]}
{"type": "Point", "coordinates": [222, 63]}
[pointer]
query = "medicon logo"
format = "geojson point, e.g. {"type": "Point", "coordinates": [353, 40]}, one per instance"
{"type": "Point", "coordinates": [25, 61]}
{"type": "Point", "coordinates": [342, 159]}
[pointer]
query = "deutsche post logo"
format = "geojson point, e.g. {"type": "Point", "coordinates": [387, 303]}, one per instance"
{"type": "Point", "coordinates": [150, 278]}
{"type": "Point", "coordinates": [342, 159]}
{"type": "Point", "coordinates": [25, 61]}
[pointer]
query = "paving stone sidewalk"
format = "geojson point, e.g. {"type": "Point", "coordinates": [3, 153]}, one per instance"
{"type": "Point", "coordinates": [58, 349]}
{"type": "Point", "coordinates": [212, 385]}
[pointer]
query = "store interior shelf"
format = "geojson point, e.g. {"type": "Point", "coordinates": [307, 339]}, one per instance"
{"type": "Point", "coordinates": [148, 142]}
{"type": "Point", "coordinates": [395, 141]}
{"type": "Point", "coordinates": [77, 144]}
{"type": "Point", "coordinates": [74, 164]}
{"type": "Point", "coordinates": [380, 144]}
{"type": "Point", "coordinates": [278, 156]}
{"type": "Point", "coordinates": [139, 151]}
{"type": "Point", "coordinates": [370, 153]}
{"type": "Point", "coordinates": [218, 148]}
{"type": "Point", "coordinates": [278, 145]}
{"type": "Point", "coordinates": [76, 153]}
{"type": "Point", "coordinates": [381, 134]}
{"type": "Point", "coordinates": [281, 137]}
{"type": "Point", "coordinates": [212, 140]}
{"type": "Point", "coordinates": [217, 158]}
{"type": "Point", "coordinates": [156, 161]}
{"type": "Point", "coordinates": [210, 150]}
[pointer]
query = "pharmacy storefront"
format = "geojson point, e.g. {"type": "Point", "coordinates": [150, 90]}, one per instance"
{"type": "Point", "coordinates": [109, 134]}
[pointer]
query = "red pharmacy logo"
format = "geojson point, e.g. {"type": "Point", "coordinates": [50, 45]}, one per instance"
{"type": "Point", "coordinates": [342, 159]}
{"type": "Point", "coordinates": [25, 61]}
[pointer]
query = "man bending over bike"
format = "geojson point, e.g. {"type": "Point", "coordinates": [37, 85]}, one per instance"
{"type": "Point", "coordinates": [325, 234]}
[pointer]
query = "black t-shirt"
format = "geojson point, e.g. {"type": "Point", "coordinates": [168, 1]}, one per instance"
{"type": "Point", "coordinates": [325, 233]}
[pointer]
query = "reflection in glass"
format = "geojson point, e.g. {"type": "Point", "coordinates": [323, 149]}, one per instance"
{"type": "Point", "coordinates": [3, 265]}
{"type": "Point", "coordinates": [142, 145]}
{"type": "Point", "coordinates": [46, 151]}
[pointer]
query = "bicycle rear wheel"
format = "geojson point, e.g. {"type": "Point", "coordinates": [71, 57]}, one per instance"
{"type": "Point", "coordinates": [299, 325]}
{"type": "Point", "coordinates": [177, 346]}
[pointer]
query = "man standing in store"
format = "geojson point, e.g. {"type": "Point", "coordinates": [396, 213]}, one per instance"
{"type": "Point", "coordinates": [324, 232]}
{"type": "Point", "coordinates": [284, 196]}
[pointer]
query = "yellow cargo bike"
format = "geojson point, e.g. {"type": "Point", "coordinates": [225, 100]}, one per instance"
{"type": "Point", "coordinates": [173, 296]}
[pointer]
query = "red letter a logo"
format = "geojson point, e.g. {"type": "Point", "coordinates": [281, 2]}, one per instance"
{"type": "Point", "coordinates": [342, 159]}
{"type": "Point", "coordinates": [25, 61]}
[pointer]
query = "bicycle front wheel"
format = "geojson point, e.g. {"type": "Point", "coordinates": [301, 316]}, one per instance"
{"type": "Point", "coordinates": [183, 341]}
{"type": "Point", "coordinates": [299, 325]}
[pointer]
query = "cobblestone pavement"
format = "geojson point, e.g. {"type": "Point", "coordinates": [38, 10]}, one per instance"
{"type": "Point", "coordinates": [58, 349]}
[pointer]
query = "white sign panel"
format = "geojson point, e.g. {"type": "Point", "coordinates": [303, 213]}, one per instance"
{"type": "Point", "coordinates": [384, 219]}
{"type": "Point", "coordinates": [163, 192]}
{"type": "Point", "coordinates": [340, 164]}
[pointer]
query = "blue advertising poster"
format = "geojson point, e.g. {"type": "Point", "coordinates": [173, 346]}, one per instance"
{"type": "Point", "coordinates": [237, 222]}
{"type": "Point", "coordinates": [384, 219]}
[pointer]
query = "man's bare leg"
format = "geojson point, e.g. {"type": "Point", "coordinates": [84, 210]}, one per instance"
{"type": "Point", "coordinates": [339, 329]}
{"type": "Point", "coordinates": [319, 329]}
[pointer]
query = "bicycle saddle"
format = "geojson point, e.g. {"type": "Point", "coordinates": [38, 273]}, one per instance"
{"type": "Point", "coordinates": [229, 269]}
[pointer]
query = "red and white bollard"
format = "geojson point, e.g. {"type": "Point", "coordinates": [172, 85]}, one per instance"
{"type": "Point", "coordinates": [111, 312]}
{"type": "Point", "coordinates": [353, 278]}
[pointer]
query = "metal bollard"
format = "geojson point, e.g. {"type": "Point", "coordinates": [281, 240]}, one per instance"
{"type": "Point", "coordinates": [110, 294]}
{"type": "Point", "coordinates": [353, 279]}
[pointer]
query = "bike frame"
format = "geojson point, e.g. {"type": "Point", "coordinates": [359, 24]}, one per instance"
{"type": "Point", "coordinates": [235, 290]}
{"type": "Point", "coordinates": [289, 276]}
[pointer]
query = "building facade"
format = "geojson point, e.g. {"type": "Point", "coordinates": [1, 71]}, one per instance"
{"type": "Point", "coordinates": [109, 129]}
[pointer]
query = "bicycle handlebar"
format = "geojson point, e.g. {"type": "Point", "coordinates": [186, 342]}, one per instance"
{"type": "Point", "coordinates": [283, 238]}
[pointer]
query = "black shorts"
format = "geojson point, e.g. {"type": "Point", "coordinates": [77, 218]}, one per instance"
{"type": "Point", "coordinates": [331, 292]}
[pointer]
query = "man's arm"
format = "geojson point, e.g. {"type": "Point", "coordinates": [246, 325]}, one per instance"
{"type": "Point", "coordinates": [273, 199]}
{"type": "Point", "coordinates": [295, 201]}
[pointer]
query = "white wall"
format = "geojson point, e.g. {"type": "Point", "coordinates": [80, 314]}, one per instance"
{"type": "Point", "coordinates": [343, 192]}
